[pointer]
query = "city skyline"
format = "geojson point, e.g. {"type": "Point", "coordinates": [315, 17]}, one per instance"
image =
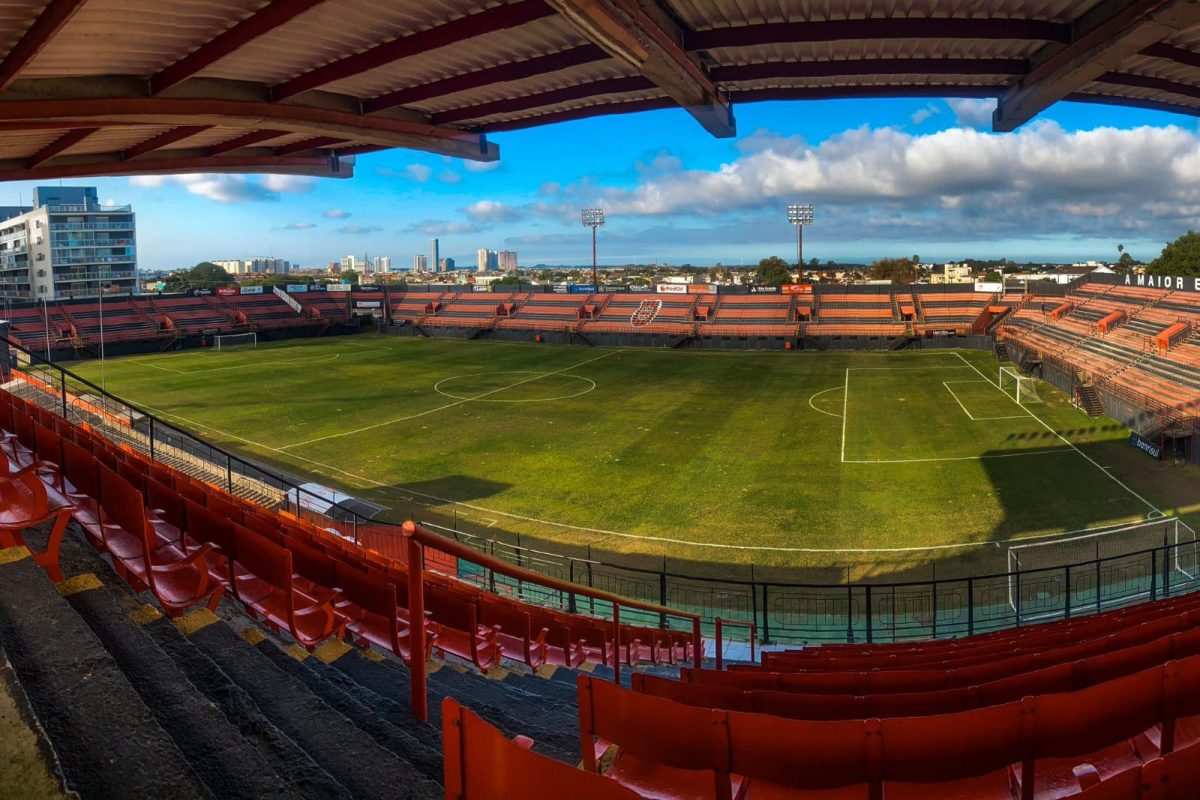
{"type": "Point", "coordinates": [888, 178]}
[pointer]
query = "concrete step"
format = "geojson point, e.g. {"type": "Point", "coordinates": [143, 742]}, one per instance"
{"type": "Point", "coordinates": [359, 763]}
{"type": "Point", "coordinates": [108, 742]}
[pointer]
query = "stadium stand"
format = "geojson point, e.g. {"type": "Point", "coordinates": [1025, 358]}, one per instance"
{"type": "Point", "coordinates": [261, 311]}
{"type": "Point", "coordinates": [549, 313]}
{"type": "Point", "coordinates": [671, 314]}
{"type": "Point", "coordinates": [331, 307]}
{"type": "Point", "coordinates": [749, 315]}
{"type": "Point", "coordinates": [187, 315]}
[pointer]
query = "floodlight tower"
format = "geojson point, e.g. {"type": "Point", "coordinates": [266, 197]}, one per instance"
{"type": "Point", "coordinates": [593, 218]}
{"type": "Point", "coordinates": [800, 215]}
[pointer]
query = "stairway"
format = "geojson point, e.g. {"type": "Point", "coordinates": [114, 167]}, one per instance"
{"type": "Point", "coordinates": [1001, 352]}
{"type": "Point", "coordinates": [1089, 400]}
{"type": "Point", "coordinates": [133, 704]}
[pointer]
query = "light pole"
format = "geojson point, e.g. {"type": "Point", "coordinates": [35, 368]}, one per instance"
{"type": "Point", "coordinates": [101, 276]}
{"type": "Point", "coordinates": [800, 215]}
{"type": "Point", "coordinates": [593, 218]}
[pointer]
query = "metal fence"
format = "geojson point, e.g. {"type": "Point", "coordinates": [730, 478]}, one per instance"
{"type": "Point", "coordinates": [783, 611]}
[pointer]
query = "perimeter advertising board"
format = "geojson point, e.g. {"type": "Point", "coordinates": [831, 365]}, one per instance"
{"type": "Point", "coordinates": [796, 288]}
{"type": "Point", "coordinates": [672, 288]}
{"type": "Point", "coordinates": [292, 288]}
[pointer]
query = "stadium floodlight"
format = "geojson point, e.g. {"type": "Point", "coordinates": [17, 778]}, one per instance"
{"type": "Point", "coordinates": [593, 218]}
{"type": "Point", "coordinates": [800, 214]}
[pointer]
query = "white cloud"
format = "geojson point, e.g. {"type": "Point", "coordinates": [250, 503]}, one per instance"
{"type": "Point", "coordinates": [488, 212]}
{"type": "Point", "coordinates": [299, 226]}
{"type": "Point", "coordinates": [972, 113]}
{"type": "Point", "coordinates": [219, 187]}
{"type": "Point", "coordinates": [356, 230]}
{"type": "Point", "coordinates": [418, 172]}
{"type": "Point", "coordinates": [438, 227]}
{"type": "Point", "coordinates": [1040, 180]}
{"type": "Point", "coordinates": [481, 166]}
{"type": "Point", "coordinates": [336, 213]}
{"type": "Point", "coordinates": [449, 176]}
{"type": "Point", "coordinates": [288, 184]}
{"type": "Point", "coordinates": [922, 114]}
{"type": "Point", "coordinates": [549, 188]}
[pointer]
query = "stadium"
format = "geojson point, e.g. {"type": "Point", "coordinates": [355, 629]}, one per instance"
{"type": "Point", "coordinates": [812, 540]}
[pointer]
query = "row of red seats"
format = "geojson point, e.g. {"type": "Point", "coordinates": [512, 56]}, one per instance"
{"type": "Point", "coordinates": [1045, 745]}
{"type": "Point", "coordinates": [293, 574]}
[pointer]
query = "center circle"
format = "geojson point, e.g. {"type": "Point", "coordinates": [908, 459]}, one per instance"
{"type": "Point", "coordinates": [516, 386]}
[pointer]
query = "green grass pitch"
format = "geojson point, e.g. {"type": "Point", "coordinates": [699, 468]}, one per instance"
{"type": "Point", "coordinates": [714, 458]}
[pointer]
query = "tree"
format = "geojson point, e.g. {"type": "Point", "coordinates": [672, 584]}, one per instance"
{"type": "Point", "coordinates": [772, 271]}
{"type": "Point", "coordinates": [993, 276]}
{"type": "Point", "coordinates": [204, 275]}
{"type": "Point", "coordinates": [896, 270]}
{"type": "Point", "coordinates": [508, 280]}
{"type": "Point", "coordinates": [1180, 257]}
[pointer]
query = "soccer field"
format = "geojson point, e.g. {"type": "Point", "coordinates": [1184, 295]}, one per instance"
{"type": "Point", "coordinates": [770, 458]}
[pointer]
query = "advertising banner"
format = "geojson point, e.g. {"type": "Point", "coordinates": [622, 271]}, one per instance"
{"type": "Point", "coordinates": [292, 288]}
{"type": "Point", "coordinates": [227, 291]}
{"type": "Point", "coordinates": [672, 288]}
{"type": "Point", "coordinates": [611, 289]}
{"type": "Point", "coordinates": [796, 288]}
{"type": "Point", "coordinates": [252, 290]}
{"type": "Point", "coordinates": [317, 287]}
{"type": "Point", "coordinates": [701, 288]}
{"type": "Point", "coordinates": [764, 290]}
{"type": "Point", "coordinates": [560, 288]}
{"type": "Point", "coordinates": [1148, 447]}
{"type": "Point", "coordinates": [581, 288]}
{"type": "Point", "coordinates": [201, 292]}
{"type": "Point", "coordinates": [367, 304]}
{"type": "Point", "coordinates": [483, 287]}
{"type": "Point", "coordinates": [338, 287]}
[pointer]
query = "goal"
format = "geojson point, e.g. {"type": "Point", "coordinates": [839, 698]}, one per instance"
{"type": "Point", "coordinates": [1037, 568]}
{"type": "Point", "coordinates": [1021, 388]}
{"type": "Point", "coordinates": [229, 341]}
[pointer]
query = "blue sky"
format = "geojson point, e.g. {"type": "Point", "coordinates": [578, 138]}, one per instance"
{"type": "Point", "coordinates": [887, 177]}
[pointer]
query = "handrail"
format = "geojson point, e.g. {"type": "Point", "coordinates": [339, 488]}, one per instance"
{"type": "Point", "coordinates": [719, 628]}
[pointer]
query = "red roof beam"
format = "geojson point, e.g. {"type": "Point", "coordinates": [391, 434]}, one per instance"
{"type": "Point", "coordinates": [263, 21]}
{"type": "Point", "coordinates": [1104, 37]}
{"type": "Point", "coordinates": [648, 38]}
{"type": "Point", "coordinates": [246, 140]}
{"type": "Point", "coordinates": [544, 99]}
{"type": "Point", "coordinates": [163, 140]}
{"type": "Point", "coordinates": [64, 142]}
{"type": "Point", "coordinates": [297, 165]}
{"type": "Point", "coordinates": [494, 19]}
{"type": "Point", "coordinates": [308, 144]}
{"type": "Point", "coordinates": [876, 28]}
{"type": "Point", "coordinates": [515, 71]}
{"type": "Point", "coordinates": [57, 14]}
{"type": "Point", "coordinates": [870, 66]}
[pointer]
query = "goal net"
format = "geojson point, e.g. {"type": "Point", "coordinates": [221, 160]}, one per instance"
{"type": "Point", "coordinates": [1022, 388]}
{"type": "Point", "coordinates": [228, 341]}
{"type": "Point", "coordinates": [1037, 568]}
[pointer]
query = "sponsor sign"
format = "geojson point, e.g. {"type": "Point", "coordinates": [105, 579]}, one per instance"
{"type": "Point", "coordinates": [252, 290]}
{"type": "Point", "coordinates": [701, 288]}
{"type": "Point", "coordinates": [1148, 447]}
{"type": "Point", "coordinates": [317, 287]}
{"type": "Point", "coordinates": [672, 288]}
{"type": "Point", "coordinates": [369, 287]}
{"type": "Point", "coordinates": [338, 287]}
{"type": "Point", "coordinates": [560, 288]}
{"type": "Point", "coordinates": [483, 287]}
{"type": "Point", "coordinates": [1176, 283]}
{"type": "Point", "coordinates": [796, 288]}
{"type": "Point", "coordinates": [581, 288]}
{"type": "Point", "coordinates": [297, 287]}
{"type": "Point", "coordinates": [227, 291]}
{"type": "Point", "coordinates": [764, 290]}
{"type": "Point", "coordinates": [611, 289]}
{"type": "Point", "coordinates": [366, 304]}
{"type": "Point", "coordinates": [201, 292]}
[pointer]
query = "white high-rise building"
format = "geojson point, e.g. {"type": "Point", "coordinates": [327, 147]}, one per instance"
{"type": "Point", "coordinates": [435, 259]}
{"type": "Point", "coordinates": [382, 263]}
{"type": "Point", "coordinates": [66, 245]}
{"type": "Point", "coordinates": [420, 262]}
{"type": "Point", "coordinates": [506, 261]}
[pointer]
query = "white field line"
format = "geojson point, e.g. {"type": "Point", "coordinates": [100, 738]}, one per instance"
{"type": "Point", "coordinates": [447, 405]}
{"type": "Point", "coordinates": [818, 394]}
{"type": "Point", "coordinates": [845, 413]}
{"type": "Point", "coordinates": [965, 458]}
{"type": "Point", "coordinates": [968, 413]}
{"type": "Point", "coordinates": [1153, 508]}
{"type": "Point", "coordinates": [902, 369]}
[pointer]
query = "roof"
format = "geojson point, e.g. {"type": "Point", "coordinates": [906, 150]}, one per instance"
{"type": "Point", "coordinates": [110, 87]}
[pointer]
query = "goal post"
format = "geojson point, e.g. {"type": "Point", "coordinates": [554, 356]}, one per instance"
{"type": "Point", "coordinates": [1034, 565]}
{"type": "Point", "coordinates": [1022, 388]}
{"type": "Point", "coordinates": [229, 341]}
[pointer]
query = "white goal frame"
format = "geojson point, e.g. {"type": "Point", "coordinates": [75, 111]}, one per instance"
{"type": "Point", "coordinates": [225, 341]}
{"type": "Point", "coordinates": [1106, 543]}
{"type": "Point", "coordinates": [1023, 395]}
